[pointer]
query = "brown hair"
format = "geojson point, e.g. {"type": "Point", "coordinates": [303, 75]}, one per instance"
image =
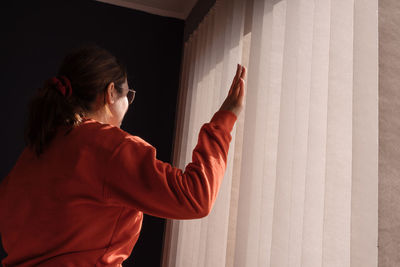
{"type": "Point", "coordinates": [90, 69]}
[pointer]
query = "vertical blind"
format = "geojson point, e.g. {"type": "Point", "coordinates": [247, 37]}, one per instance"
{"type": "Point", "coordinates": [301, 185]}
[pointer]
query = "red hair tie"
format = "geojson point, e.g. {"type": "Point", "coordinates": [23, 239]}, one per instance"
{"type": "Point", "coordinates": [62, 84]}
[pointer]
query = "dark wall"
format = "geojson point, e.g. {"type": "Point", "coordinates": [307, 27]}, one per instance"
{"type": "Point", "coordinates": [35, 36]}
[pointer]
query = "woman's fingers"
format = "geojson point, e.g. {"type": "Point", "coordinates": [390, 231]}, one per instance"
{"type": "Point", "coordinates": [240, 82]}
{"type": "Point", "coordinates": [236, 78]}
{"type": "Point", "coordinates": [234, 101]}
{"type": "Point", "coordinates": [243, 74]}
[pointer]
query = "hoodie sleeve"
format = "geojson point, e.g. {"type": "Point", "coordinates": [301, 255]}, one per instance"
{"type": "Point", "coordinates": [137, 179]}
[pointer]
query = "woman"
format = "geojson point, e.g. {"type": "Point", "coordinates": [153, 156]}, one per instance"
{"type": "Point", "coordinates": [77, 193]}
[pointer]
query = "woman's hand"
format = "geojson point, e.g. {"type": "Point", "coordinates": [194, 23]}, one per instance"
{"type": "Point", "coordinates": [234, 100]}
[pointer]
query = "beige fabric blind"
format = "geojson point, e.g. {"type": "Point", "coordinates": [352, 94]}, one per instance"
{"type": "Point", "coordinates": [301, 185]}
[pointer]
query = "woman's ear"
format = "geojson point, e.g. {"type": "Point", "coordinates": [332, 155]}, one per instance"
{"type": "Point", "coordinates": [111, 94]}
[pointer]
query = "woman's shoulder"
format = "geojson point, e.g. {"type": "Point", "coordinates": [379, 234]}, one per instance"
{"type": "Point", "coordinates": [97, 134]}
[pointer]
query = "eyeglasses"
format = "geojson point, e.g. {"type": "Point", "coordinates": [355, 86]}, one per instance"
{"type": "Point", "coordinates": [130, 95]}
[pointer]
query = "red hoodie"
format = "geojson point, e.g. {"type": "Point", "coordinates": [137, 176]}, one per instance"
{"type": "Point", "coordinates": [81, 203]}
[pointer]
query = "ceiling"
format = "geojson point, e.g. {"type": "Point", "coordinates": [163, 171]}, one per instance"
{"type": "Point", "coordinates": [167, 8]}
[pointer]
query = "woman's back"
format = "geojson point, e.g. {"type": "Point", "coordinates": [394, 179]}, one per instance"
{"type": "Point", "coordinates": [54, 205]}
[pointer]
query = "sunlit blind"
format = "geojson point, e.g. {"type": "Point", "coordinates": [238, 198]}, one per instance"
{"type": "Point", "coordinates": [301, 185]}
